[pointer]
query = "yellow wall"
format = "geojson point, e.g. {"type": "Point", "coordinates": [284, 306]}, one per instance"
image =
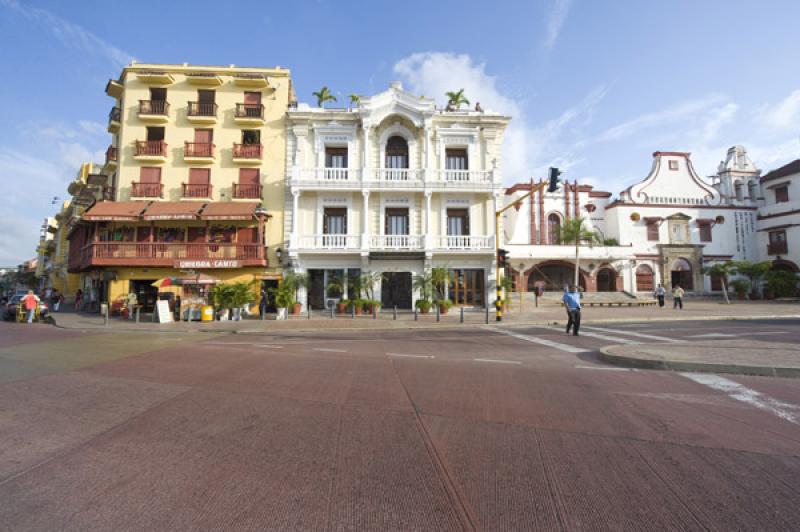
{"type": "Point", "coordinates": [224, 172]}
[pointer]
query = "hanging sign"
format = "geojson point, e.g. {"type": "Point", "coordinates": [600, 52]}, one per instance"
{"type": "Point", "coordinates": [201, 264]}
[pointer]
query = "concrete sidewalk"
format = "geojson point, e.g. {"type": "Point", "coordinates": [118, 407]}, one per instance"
{"type": "Point", "coordinates": [695, 309]}
{"type": "Point", "coordinates": [743, 357]}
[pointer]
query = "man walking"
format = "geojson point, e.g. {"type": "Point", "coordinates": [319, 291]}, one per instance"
{"type": "Point", "coordinates": [572, 300]}
{"type": "Point", "coordinates": [660, 294]}
{"type": "Point", "coordinates": [29, 303]}
{"type": "Point", "coordinates": [677, 297]}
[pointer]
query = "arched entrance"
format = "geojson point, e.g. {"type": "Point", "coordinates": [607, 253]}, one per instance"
{"type": "Point", "coordinates": [645, 279]}
{"type": "Point", "coordinates": [681, 274]}
{"type": "Point", "coordinates": [554, 276]}
{"type": "Point", "coordinates": [785, 265]}
{"type": "Point", "coordinates": [606, 280]}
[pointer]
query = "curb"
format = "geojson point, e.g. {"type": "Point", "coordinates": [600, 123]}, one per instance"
{"type": "Point", "coordinates": [702, 367]}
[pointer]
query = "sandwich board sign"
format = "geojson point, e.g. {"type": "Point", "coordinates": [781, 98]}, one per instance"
{"type": "Point", "coordinates": [162, 310]}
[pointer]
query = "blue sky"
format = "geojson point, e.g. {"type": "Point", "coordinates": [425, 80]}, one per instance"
{"type": "Point", "coordinates": [593, 87]}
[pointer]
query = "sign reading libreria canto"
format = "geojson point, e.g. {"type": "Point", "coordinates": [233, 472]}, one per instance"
{"type": "Point", "coordinates": [199, 264]}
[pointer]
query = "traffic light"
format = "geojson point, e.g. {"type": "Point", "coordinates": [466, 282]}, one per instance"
{"type": "Point", "coordinates": [554, 173]}
{"type": "Point", "coordinates": [502, 258]}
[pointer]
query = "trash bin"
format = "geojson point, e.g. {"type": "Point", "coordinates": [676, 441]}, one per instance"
{"type": "Point", "coordinates": [207, 313]}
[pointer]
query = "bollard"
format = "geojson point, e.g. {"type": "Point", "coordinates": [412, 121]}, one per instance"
{"type": "Point", "coordinates": [353, 310]}
{"type": "Point", "coordinates": [416, 313]}
{"type": "Point", "coordinates": [374, 312]}
{"type": "Point", "coordinates": [395, 313]}
{"type": "Point", "coordinates": [137, 313]}
{"type": "Point", "coordinates": [331, 311]}
{"type": "Point", "coordinates": [487, 314]}
{"type": "Point", "coordinates": [462, 314]}
{"type": "Point", "coordinates": [309, 311]}
{"type": "Point", "coordinates": [438, 313]}
{"type": "Point", "coordinates": [104, 311]}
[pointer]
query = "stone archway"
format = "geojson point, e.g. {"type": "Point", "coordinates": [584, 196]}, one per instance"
{"type": "Point", "coordinates": [554, 275]}
{"type": "Point", "coordinates": [681, 274]}
{"type": "Point", "coordinates": [606, 279]}
{"type": "Point", "coordinates": [785, 265]}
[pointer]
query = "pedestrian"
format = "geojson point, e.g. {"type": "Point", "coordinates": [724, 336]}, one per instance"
{"type": "Point", "coordinates": [132, 301]}
{"type": "Point", "coordinates": [78, 299]}
{"type": "Point", "coordinates": [572, 300]}
{"type": "Point", "coordinates": [660, 294]}
{"type": "Point", "coordinates": [677, 297]}
{"type": "Point", "coordinates": [29, 303]}
{"type": "Point", "coordinates": [262, 305]}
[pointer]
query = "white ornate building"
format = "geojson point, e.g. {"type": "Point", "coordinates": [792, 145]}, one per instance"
{"type": "Point", "coordinates": [779, 217]}
{"type": "Point", "coordinates": [394, 186]}
{"type": "Point", "coordinates": [663, 229]}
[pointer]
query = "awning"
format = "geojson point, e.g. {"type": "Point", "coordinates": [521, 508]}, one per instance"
{"type": "Point", "coordinates": [173, 210]}
{"type": "Point", "coordinates": [229, 210]}
{"type": "Point", "coordinates": [115, 211]}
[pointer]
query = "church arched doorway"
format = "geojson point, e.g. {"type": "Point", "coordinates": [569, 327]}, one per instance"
{"type": "Point", "coordinates": [554, 277]}
{"type": "Point", "coordinates": [606, 280]}
{"type": "Point", "coordinates": [681, 274]}
{"type": "Point", "coordinates": [645, 279]}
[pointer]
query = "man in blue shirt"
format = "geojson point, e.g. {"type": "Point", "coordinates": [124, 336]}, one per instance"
{"type": "Point", "coordinates": [572, 300]}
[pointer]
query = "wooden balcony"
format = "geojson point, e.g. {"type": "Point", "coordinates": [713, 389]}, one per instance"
{"type": "Point", "coordinates": [114, 119]}
{"type": "Point", "coordinates": [221, 255]}
{"type": "Point", "coordinates": [198, 152]}
{"type": "Point", "coordinates": [247, 153]}
{"type": "Point", "coordinates": [111, 156]}
{"type": "Point", "coordinates": [147, 190]}
{"type": "Point", "coordinates": [150, 150]}
{"type": "Point", "coordinates": [197, 190]}
{"type": "Point", "coordinates": [201, 113]}
{"type": "Point", "coordinates": [246, 191]}
{"type": "Point", "coordinates": [249, 114]}
{"type": "Point", "coordinates": [778, 248]}
{"type": "Point", "coordinates": [156, 111]}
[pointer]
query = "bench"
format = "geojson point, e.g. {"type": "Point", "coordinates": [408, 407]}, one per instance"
{"type": "Point", "coordinates": [643, 303]}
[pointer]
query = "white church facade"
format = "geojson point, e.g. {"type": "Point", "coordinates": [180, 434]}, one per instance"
{"type": "Point", "coordinates": [663, 229]}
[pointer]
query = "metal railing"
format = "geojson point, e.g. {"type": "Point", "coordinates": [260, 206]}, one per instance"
{"type": "Point", "coordinates": [150, 147]}
{"type": "Point", "coordinates": [111, 154]}
{"type": "Point", "coordinates": [247, 151]}
{"type": "Point", "coordinates": [247, 191]}
{"type": "Point", "coordinates": [397, 177]}
{"type": "Point", "coordinates": [153, 107]}
{"type": "Point", "coordinates": [197, 190]}
{"type": "Point", "coordinates": [115, 115]}
{"type": "Point", "coordinates": [147, 190]}
{"type": "Point", "coordinates": [171, 250]}
{"type": "Point", "coordinates": [201, 109]}
{"type": "Point", "coordinates": [778, 248]}
{"type": "Point", "coordinates": [198, 149]}
{"type": "Point", "coordinates": [249, 110]}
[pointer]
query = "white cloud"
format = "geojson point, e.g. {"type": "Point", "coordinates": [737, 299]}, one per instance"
{"type": "Point", "coordinates": [555, 21]}
{"type": "Point", "coordinates": [94, 128]}
{"type": "Point", "coordinates": [70, 34]}
{"type": "Point", "coordinates": [783, 115]}
{"type": "Point", "coordinates": [526, 148]}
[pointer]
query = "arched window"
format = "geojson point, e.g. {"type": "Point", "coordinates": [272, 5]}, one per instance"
{"type": "Point", "coordinates": [644, 278]}
{"type": "Point", "coordinates": [553, 228]}
{"type": "Point", "coordinates": [396, 152]}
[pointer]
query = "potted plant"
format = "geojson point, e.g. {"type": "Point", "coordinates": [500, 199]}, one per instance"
{"type": "Point", "coordinates": [373, 306]}
{"type": "Point", "coordinates": [741, 287]}
{"type": "Point", "coordinates": [295, 281]}
{"type": "Point", "coordinates": [342, 306]}
{"type": "Point", "coordinates": [220, 299]}
{"type": "Point", "coordinates": [423, 305]}
{"type": "Point", "coordinates": [358, 305]}
{"type": "Point", "coordinates": [754, 271]}
{"type": "Point", "coordinates": [283, 299]}
{"type": "Point", "coordinates": [781, 283]}
{"type": "Point", "coordinates": [241, 296]}
{"type": "Point", "coordinates": [444, 305]}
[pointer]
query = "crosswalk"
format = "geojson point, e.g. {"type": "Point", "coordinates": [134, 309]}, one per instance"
{"type": "Point", "coordinates": [591, 338]}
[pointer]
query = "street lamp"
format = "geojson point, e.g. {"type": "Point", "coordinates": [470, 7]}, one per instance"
{"type": "Point", "coordinates": [279, 253]}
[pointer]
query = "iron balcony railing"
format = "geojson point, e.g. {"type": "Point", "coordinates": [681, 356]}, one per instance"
{"type": "Point", "coordinates": [198, 149]}
{"type": "Point", "coordinates": [147, 190]}
{"type": "Point", "coordinates": [197, 190]}
{"type": "Point", "coordinates": [249, 110]}
{"type": "Point", "coordinates": [153, 107]}
{"type": "Point", "coordinates": [201, 109]}
{"type": "Point", "coordinates": [247, 191]}
{"type": "Point", "coordinates": [247, 151]}
{"type": "Point", "coordinates": [150, 148]}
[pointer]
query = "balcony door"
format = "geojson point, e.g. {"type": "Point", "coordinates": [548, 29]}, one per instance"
{"type": "Point", "coordinates": [397, 159]}
{"type": "Point", "coordinates": [206, 97]}
{"type": "Point", "coordinates": [334, 227]}
{"type": "Point", "coordinates": [203, 138]}
{"type": "Point", "coordinates": [249, 183]}
{"type": "Point", "coordinates": [397, 222]}
{"type": "Point", "coordinates": [252, 104]}
{"type": "Point", "coordinates": [457, 222]}
{"type": "Point", "coordinates": [199, 183]}
{"type": "Point", "coordinates": [155, 133]}
{"type": "Point", "coordinates": [335, 163]}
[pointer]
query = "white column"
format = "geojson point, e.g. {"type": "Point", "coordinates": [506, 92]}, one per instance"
{"type": "Point", "coordinates": [365, 232]}
{"type": "Point", "coordinates": [428, 237]}
{"type": "Point", "coordinates": [491, 221]}
{"type": "Point", "coordinates": [365, 167]}
{"type": "Point", "coordinates": [295, 212]}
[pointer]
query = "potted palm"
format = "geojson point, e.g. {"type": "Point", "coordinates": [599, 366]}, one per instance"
{"type": "Point", "coordinates": [741, 287]}
{"type": "Point", "coordinates": [323, 95]}
{"type": "Point", "coordinates": [423, 305]}
{"type": "Point", "coordinates": [220, 298]}
{"type": "Point", "coordinates": [241, 295]}
{"type": "Point", "coordinates": [367, 283]}
{"type": "Point", "coordinates": [335, 288]}
{"type": "Point", "coordinates": [457, 98]}
{"type": "Point", "coordinates": [439, 279]}
{"type": "Point", "coordinates": [295, 281]}
{"type": "Point", "coordinates": [283, 299]}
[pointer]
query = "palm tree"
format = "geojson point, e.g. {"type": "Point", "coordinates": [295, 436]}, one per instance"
{"type": "Point", "coordinates": [323, 95]}
{"type": "Point", "coordinates": [424, 283]}
{"type": "Point", "coordinates": [752, 270]}
{"type": "Point", "coordinates": [573, 232]}
{"type": "Point", "coordinates": [722, 270]}
{"type": "Point", "coordinates": [355, 100]}
{"type": "Point", "coordinates": [457, 98]}
{"type": "Point", "coordinates": [439, 279]}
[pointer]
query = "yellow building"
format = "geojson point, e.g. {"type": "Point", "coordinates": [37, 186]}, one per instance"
{"type": "Point", "coordinates": [192, 186]}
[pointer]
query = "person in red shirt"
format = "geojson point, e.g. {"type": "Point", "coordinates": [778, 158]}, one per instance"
{"type": "Point", "coordinates": [29, 303]}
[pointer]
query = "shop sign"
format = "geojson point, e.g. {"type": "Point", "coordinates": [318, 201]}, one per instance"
{"type": "Point", "coordinates": [201, 264]}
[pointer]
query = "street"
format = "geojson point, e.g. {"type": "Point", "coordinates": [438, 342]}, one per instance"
{"type": "Point", "coordinates": [473, 428]}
